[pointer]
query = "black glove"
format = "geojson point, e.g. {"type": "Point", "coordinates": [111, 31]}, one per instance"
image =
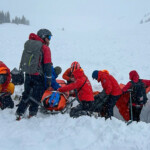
{"type": "Point", "coordinates": [103, 95]}
{"type": "Point", "coordinates": [48, 80]}
{"type": "Point", "coordinates": [144, 102]}
{"type": "Point", "coordinates": [96, 96]}
{"type": "Point", "coordinates": [130, 90]}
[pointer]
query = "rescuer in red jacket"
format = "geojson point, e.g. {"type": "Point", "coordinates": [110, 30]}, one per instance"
{"type": "Point", "coordinates": [34, 83]}
{"type": "Point", "coordinates": [111, 90]}
{"type": "Point", "coordinates": [84, 92]}
{"type": "Point", "coordinates": [138, 93]}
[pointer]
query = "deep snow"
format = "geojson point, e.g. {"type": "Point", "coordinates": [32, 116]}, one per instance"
{"type": "Point", "coordinates": [100, 35]}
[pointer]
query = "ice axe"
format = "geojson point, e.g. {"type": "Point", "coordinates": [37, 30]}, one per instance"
{"type": "Point", "coordinates": [131, 112]}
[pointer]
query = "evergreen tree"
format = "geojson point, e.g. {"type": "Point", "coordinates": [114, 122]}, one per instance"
{"type": "Point", "coordinates": [16, 21]}
{"type": "Point", "coordinates": [2, 17]}
{"type": "Point", "coordinates": [7, 17]}
{"type": "Point", "coordinates": [23, 20]}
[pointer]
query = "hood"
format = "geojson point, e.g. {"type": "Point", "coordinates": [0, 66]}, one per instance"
{"type": "Point", "coordinates": [78, 73]}
{"type": "Point", "coordinates": [33, 36]}
{"type": "Point", "coordinates": [5, 69]}
{"type": "Point", "coordinates": [134, 76]}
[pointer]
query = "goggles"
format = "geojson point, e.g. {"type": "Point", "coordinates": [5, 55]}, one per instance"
{"type": "Point", "coordinates": [49, 37]}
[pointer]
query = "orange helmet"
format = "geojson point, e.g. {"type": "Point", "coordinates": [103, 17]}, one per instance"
{"type": "Point", "coordinates": [74, 66]}
{"type": "Point", "coordinates": [106, 71]}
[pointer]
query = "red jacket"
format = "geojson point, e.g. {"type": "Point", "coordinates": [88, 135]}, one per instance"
{"type": "Point", "coordinates": [5, 85]}
{"type": "Point", "coordinates": [133, 75]}
{"type": "Point", "coordinates": [45, 49]}
{"type": "Point", "coordinates": [109, 84]}
{"type": "Point", "coordinates": [67, 74]}
{"type": "Point", "coordinates": [85, 93]}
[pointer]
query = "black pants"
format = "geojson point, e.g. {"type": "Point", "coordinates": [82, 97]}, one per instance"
{"type": "Point", "coordinates": [110, 104]}
{"type": "Point", "coordinates": [34, 86]}
{"type": "Point", "coordinates": [81, 109]}
{"type": "Point", "coordinates": [136, 113]}
{"type": "Point", "coordinates": [6, 102]}
{"type": "Point", "coordinates": [99, 103]}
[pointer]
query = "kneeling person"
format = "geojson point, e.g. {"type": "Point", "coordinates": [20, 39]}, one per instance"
{"type": "Point", "coordinates": [6, 87]}
{"type": "Point", "coordinates": [84, 93]}
{"type": "Point", "coordinates": [111, 91]}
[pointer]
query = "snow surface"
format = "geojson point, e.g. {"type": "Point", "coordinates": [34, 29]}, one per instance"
{"type": "Point", "coordinates": [100, 34]}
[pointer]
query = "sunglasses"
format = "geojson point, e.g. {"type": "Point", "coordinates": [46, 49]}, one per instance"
{"type": "Point", "coordinates": [49, 37]}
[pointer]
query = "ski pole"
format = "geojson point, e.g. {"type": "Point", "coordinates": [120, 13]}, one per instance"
{"type": "Point", "coordinates": [34, 100]}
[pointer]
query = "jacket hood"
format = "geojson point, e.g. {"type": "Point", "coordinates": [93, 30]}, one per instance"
{"type": "Point", "coordinates": [134, 76]}
{"type": "Point", "coordinates": [33, 36]}
{"type": "Point", "coordinates": [4, 67]}
{"type": "Point", "coordinates": [78, 73]}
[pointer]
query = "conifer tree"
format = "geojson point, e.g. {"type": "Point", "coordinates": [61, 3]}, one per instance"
{"type": "Point", "coordinates": [7, 17]}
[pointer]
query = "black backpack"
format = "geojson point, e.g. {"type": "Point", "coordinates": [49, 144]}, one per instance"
{"type": "Point", "coordinates": [32, 57]}
{"type": "Point", "coordinates": [139, 96]}
{"type": "Point", "coordinates": [17, 77]}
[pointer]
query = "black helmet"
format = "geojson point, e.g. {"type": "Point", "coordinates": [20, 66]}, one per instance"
{"type": "Point", "coordinates": [58, 70]}
{"type": "Point", "coordinates": [43, 33]}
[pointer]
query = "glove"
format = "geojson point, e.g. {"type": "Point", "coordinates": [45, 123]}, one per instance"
{"type": "Point", "coordinates": [59, 89]}
{"type": "Point", "coordinates": [72, 79]}
{"type": "Point", "coordinates": [48, 82]}
{"type": "Point", "coordinates": [103, 95]}
{"type": "Point", "coordinates": [144, 103]}
{"type": "Point", "coordinates": [96, 96]}
{"type": "Point", "coordinates": [130, 90]}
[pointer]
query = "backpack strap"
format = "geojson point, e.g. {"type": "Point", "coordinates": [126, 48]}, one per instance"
{"type": "Point", "coordinates": [82, 85]}
{"type": "Point", "coordinates": [76, 92]}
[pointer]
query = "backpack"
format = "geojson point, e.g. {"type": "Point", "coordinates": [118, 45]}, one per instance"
{"type": "Point", "coordinates": [32, 57]}
{"type": "Point", "coordinates": [139, 96]}
{"type": "Point", "coordinates": [17, 77]}
{"type": "Point", "coordinates": [54, 99]}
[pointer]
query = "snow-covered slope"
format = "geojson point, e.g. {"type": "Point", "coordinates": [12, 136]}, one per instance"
{"type": "Point", "coordinates": [99, 34]}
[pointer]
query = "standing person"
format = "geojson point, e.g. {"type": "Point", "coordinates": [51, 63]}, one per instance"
{"type": "Point", "coordinates": [36, 63]}
{"type": "Point", "coordinates": [68, 74]}
{"type": "Point", "coordinates": [6, 87]}
{"type": "Point", "coordinates": [138, 94]}
{"type": "Point", "coordinates": [111, 90]}
{"type": "Point", "coordinates": [84, 93]}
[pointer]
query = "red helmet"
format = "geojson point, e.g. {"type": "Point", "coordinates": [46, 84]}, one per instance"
{"type": "Point", "coordinates": [74, 66]}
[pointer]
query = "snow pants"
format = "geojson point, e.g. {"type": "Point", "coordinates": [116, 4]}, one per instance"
{"type": "Point", "coordinates": [110, 104]}
{"type": "Point", "coordinates": [33, 87]}
{"type": "Point", "coordinates": [81, 109]}
{"type": "Point", "coordinates": [136, 113]}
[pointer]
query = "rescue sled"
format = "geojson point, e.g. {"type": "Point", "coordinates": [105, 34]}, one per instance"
{"type": "Point", "coordinates": [54, 102]}
{"type": "Point", "coordinates": [122, 104]}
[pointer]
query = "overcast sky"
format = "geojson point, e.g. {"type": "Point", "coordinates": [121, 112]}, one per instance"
{"type": "Point", "coordinates": [75, 13]}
